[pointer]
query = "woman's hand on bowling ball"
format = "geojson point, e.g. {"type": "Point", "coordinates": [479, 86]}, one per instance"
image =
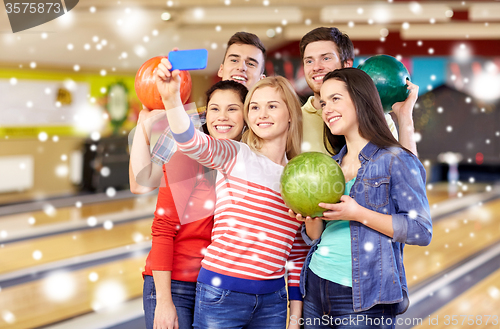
{"type": "Point", "coordinates": [404, 110]}
{"type": "Point", "coordinates": [168, 84]}
{"type": "Point", "coordinates": [314, 226]}
{"type": "Point", "coordinates": [300, 218]}
{"type": "Point", "coordinates": [292, 214]}
{"type": "Point", "coordinates": [346, 209]}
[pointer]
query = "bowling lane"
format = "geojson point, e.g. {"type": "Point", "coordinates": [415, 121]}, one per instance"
{"type": "Point", "coordinates": [478, 307]}
{"type": "Point", "coordinates": [455, 238]}
{"type": "Point", "coordinates": [33, 252]}
{"type": "Point", "coordinates": [439, 192]}
{"type": "Point", "coordinates": [51, 215]}
{"type": "Point", "coordinates": [62, 295]}
{"type": "Point", "coordinates": [39, 222]}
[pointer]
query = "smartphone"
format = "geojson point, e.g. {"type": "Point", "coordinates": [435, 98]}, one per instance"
{"type": "Point", "coordinates": [184, 60]}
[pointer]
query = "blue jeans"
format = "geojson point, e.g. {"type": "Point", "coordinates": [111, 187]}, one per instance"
{"type": "Point", "coordinates": [329, 305]}
{"type": "Point", "coordinates": [218, 308]}
{"type": "Point", "coordinates": [183, 296]}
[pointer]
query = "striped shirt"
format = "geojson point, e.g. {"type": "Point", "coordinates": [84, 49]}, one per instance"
{"type": "Point", "coordinates": [254, 241]}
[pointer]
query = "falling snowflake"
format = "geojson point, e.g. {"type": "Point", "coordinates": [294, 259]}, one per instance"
{"type": "Point", "coordinates": [37, 255]}
{"type": "Point", "coordinates": [59, 286]}
{"type": "Point", "coordinates": [108, 294]}
{"type": "Point", "coordinates": [110, 192]}
{"type": "Point", "coordinates": [289, 265]}
{"type": "Point", "coordinates": [324, 251]}
{"type": "Point", "coordinates": [108, 225]}
{"type": "Point", "coordinates": [8, 316]}
{"type": "Point", "coordinates": [137, 237]}
{"type": "Point", "coordinates": [105, 171]}
{"type": "Point", "coordinates": [494, 292]}
{"type": "Point", "coordinates": [209, 204]}
{"type": "Point", "coordinates": [42, 137]}
{"type": "Point", "coordinates": [62, 171]}
{"type": "Point", "coordinates": [49, 210]}
{"type": "Point", "coordinates": [93, 276]}
{"type": "Point", "coordinates": [91, 221]}
{"type": "Point", "coordinates": [216, 281]}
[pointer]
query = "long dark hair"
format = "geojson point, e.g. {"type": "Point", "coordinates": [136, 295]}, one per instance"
{"type": "Point", "coordinates": [237, 87]}
{"type": "Point", "coordinates": [369, 111]}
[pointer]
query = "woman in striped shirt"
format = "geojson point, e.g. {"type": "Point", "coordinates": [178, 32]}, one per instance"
{"type": "Point", "coordinates": [183, 221]}
{"type": "Point", "coordinates": [241, 283]}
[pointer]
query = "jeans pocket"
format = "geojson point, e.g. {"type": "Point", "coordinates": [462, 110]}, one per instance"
{"type": "Point", "coordinates": [282, 294]}
{"type": "Point", "coordinates": [211, 295]}
{"type": "Point", "coordinates": [376, 191]}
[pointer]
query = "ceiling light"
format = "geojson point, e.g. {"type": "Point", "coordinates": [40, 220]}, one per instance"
{"type": "Point", "coordinates": [233, 15]}
{"type": "Point", "coordinates": [166, 16]}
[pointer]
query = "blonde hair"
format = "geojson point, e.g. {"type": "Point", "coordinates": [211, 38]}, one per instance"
{"type": "Point", "coordinates": [294, 134]}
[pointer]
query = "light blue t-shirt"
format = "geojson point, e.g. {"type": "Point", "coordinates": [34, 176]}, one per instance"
{"type": "Point", "coordinates": [332, 260]}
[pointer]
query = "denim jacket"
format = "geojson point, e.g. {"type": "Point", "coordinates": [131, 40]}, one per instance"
{"type": "Point", "coordinates": [390, 181]}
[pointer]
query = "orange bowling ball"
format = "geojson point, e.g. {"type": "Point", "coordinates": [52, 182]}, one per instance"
{"type": "Point", "coordinates": [145, 84]}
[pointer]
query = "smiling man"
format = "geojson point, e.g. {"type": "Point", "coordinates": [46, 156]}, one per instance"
{"type": "Point", "coordinates": [325, 49]}
{"type": "Point", "coordinates": [244, 59]}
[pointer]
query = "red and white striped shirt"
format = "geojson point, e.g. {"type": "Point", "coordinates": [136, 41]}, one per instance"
{"type": "Point", "coordinates": [253, 236]}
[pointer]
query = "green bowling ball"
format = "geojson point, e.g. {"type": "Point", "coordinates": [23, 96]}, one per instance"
{"type": "Point", "coordinates": [389, 76]}
{"type": "Point", "coordinates": [311, 178]}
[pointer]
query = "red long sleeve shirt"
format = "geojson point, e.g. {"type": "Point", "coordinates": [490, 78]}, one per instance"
{"type": "Point", "coordinates": [183, 219]}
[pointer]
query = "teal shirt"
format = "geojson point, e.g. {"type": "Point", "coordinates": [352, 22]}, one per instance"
{"type": "Point", "coordinates": [332, 260]}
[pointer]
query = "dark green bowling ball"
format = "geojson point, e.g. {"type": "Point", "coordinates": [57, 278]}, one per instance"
{"type": "Point", "coordinates": [311, 178]}
{"type": "Point", "coordinates": [389, 76]}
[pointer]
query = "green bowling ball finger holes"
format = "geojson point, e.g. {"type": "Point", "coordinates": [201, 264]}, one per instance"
{"type": "Point", "coordinates": [389, 76]}
{"type": "Point", "coordinates": [311, 178]}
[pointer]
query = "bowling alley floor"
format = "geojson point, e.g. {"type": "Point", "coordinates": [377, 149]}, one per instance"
{"type": "Point", "coordinates": [76, 262]}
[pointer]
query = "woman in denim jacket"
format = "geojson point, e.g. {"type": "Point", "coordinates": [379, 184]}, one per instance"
{"type": "Point", "coordinates": [354, 275]}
